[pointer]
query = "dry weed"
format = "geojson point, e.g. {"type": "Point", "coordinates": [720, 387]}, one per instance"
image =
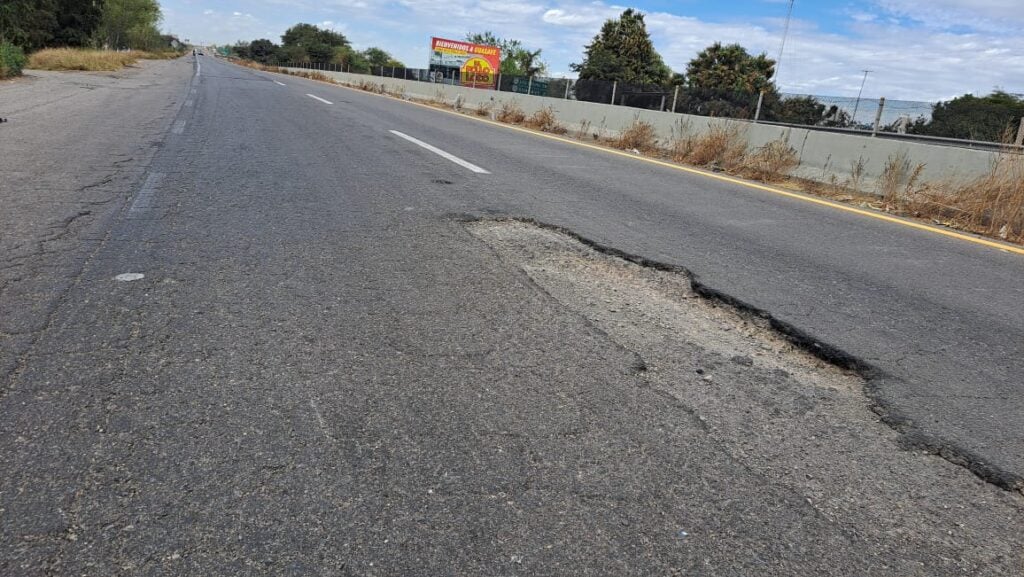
{"type": "Point", "coordinates": [992, 205]}
{"type": "Point", "coordinates": [484, 108]}
{"type": "Point", "coordinates": [546, 121]}
{"type": "Point", "coordinates": [722, 146]}
{"type": "Point", "coordinates": [639, 136]}
{"type": "Point", "coordinates": [770, 163]}
{"type": "Point", "coordinates": [511, 113]}
{"type": "Point", "coordinates": [76, 59]}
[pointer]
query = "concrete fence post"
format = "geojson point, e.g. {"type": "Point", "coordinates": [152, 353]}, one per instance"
{"type": "Point", "coordinates": [675, 98]}
{"type": "Point", "coordinates": [615, 86]}
{"type": "Point", "coordinates": [661, 107]}
{"type": "Point", "coordinates": [529, 85]}
{"type": "Point", "coordinates": [498, 86]}
{"type": "Point", "coordinates": [569, 83]}
{"type": "Point", "coordinates": [1020, 134]}
{"type": "Point", "coordinates": [878, 116]}
{"type": "Point", "coordinates": [760, 101]}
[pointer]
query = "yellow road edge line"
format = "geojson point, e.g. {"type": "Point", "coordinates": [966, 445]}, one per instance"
{"type": "Point", "coordinates": [798, 196]}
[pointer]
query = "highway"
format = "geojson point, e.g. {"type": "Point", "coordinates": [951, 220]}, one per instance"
{"type": "Point", "coordinates": [340, 361]}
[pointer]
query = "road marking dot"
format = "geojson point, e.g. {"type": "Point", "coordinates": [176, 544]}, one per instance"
{"type": "Point", "coordinates": [129, 276]}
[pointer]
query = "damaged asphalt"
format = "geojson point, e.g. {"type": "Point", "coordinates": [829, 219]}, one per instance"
{"type": "Point", "coordinates": [322, 373]}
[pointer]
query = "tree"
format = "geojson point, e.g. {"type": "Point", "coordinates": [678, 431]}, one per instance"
{"type": "Point", "coordinates": [516, 60]}
{"type": "Point", "coordinates": [623, 51]}
{"type": "Point", "coordinates": [317, 44]}
{"type": "Point", "coordinates": [973, 117]}
{"type": "Point", "coordinates": [378, 57]}
{"type": "Point", "coordinates": [730, 68]}
{"type": "Point", "coordinates": [129, 24]}
{"type": "Point", "coordinates": [263, 51]}
{"type": "Point", "coordinates": [28, 23]}
{"type": "Point", "coordinates": [76, 21]}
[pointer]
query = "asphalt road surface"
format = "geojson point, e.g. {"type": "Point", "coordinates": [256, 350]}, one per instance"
{"type": "Point", "coordinates": [325, 369]}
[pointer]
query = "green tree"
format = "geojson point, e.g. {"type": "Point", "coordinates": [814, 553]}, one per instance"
{"type": "Point", "coordinates": [129, 24]}
{"type": "Point", "coordinates": [263, 51]}
{"type": "Point", "coordinates": [516, 60]}
{"type": "Point", "coordinates": [317, 43]}
{"type": "Point", "coordinates": [730, 68]}
{"type": "Point", "coordinates": [378, 57]}
{"type": "Point", "coordinates": [76, 21]}
{"type": "Point", "coordinates": [28, 23]}
{"type": "Point", "coordinates": [623, 51]}
{"type": "Point", "coordinates": [973, 117]}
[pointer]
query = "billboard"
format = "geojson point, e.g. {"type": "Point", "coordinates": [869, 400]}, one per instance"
{"type": "Point", "coordinates": [456, 62]}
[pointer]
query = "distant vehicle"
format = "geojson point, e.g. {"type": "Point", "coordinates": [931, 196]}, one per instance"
{"type": "Point", "coordinates": [200, 52]}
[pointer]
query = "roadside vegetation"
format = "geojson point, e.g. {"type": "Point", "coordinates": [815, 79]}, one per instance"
{"type": "Point", "coordinates": [80, 34]}
{"type": "Point", "coordinates": [12, 60]}
{"type": "Point", "coordinates": [90, 60]}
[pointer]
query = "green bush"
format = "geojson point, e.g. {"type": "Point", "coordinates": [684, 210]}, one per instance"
{"type": "Point", "coordinates": [12, 60]}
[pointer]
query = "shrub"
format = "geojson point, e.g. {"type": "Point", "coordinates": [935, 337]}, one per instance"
{"type": "Point", "coordinates": [639, 136]}
{"type": "Point", "coordinates": [721, 145]}
{"type": "Point", "coordinates": [545, 120]}
{"type": "Point", "coordinates": [510, 113]}
{"type": "Point", "coordinates": [771, 163]}
{"type": "Point", "coordinates": [12, 60]}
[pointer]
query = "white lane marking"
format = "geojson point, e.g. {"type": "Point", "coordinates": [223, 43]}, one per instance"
{"type": "Point", "coordinates": [441, 153]}
{"type": "Point", "coordinates": [179, 127]}
{"type": "Point", "coordinates": [320, 99]}
{"type": "Point", "coordinates": [199, 68]}
{"type": "Point", "coordinates": [193, 92]}
{"type": "Point", "coordinates": [188, 102]}
{"type": "Point", "coordinates": [144, 199]}
{"type": "Point", "coordinates": [129, 276]}
{"type": "Point", "coordinates": [280, 83]}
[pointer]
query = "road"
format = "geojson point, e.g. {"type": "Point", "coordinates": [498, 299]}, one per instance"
{"type": "Point", "coordinates": [330, 367]}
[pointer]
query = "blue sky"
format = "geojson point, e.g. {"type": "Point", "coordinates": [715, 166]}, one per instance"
{"type": "Point", "coordinates": [916, 49]}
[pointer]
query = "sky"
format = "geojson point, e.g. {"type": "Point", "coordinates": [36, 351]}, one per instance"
{"type": "Point", "coordinates": [925, 50]}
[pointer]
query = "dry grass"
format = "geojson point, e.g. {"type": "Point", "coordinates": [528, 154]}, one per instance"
{"type": "Point", "coordinates": [639, 136]}
{"type": "Point", "coordinates": [91, 60]}
{"type": "Point", "coordinates": [992, 205]}
{"type": "Point", "coordinates": [546, 121]}
{"type": "Point", "coordinates": [722, 147]}
{"type": "Point", "coordinates": [771, 163]}
{"type": "Point", "coordinates": [87, 60]}
{"type": "Point", "coordinates": [511, 113]}
{"type": "Point", "coordinates": [484, 108]}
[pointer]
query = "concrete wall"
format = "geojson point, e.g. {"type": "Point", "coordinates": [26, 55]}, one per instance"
{"type": "Point", "coordinates": [824, 156]}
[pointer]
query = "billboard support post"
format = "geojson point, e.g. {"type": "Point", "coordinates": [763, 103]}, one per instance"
{"type": "Point", "coordinates": [499, 82]}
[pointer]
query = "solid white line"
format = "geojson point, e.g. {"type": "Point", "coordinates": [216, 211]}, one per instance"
{"type": "Point", "coordinates": [320, 99]}
{"type": "Point", "coordinates": [441, 153]}
{"type": "Point", "coordinates": [280, 83]}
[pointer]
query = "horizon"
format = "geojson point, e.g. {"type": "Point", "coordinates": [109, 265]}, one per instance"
{"type": "Point", "coordinates": [916, 50]}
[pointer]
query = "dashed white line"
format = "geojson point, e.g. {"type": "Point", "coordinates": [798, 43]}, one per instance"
{"type": "Point", "coordinates": [441, 153]}
{"type": "Point", "coordinates": [280, 83]}
{"type": "Point", "coordinates": [320, 99]}
{"type": "Point", "coordinates": [199, 68]}
{"type": "Point", "coordinates": [188, 102]}
{"type": "Point", "coordinates": [144, 199]}
{"type": "Point", "coordinates": [179, 127]}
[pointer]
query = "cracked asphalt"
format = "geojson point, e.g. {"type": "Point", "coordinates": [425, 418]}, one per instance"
{"type": "Point", "coordinates": [324, 372]}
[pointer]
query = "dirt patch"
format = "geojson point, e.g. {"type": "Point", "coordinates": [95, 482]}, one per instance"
{"type": "Point", "coordinates": [792, 418]}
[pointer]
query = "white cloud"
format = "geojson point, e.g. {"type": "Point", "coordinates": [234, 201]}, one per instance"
{"type": "Point", "coordinates": [918, 49]}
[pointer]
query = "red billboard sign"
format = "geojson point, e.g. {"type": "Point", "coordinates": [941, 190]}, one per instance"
{"type": "Point", "coordinates": [469, 64]}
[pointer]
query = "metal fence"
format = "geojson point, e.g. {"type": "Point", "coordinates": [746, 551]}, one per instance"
{"type": "Point", "coordinates": [861, 115]}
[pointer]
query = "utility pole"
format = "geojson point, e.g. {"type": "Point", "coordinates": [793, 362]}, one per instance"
{"type": "Point", "coordinates": [853, 119]}
{"type": "Point", "coordinates": [782, 45]}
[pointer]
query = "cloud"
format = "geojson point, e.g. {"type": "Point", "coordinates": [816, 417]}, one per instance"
{"type": "Point", "coordinates": [917, 49]}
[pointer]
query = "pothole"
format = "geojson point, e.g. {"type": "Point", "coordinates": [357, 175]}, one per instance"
{"type": "Point", "coordinates": [794, 419]}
